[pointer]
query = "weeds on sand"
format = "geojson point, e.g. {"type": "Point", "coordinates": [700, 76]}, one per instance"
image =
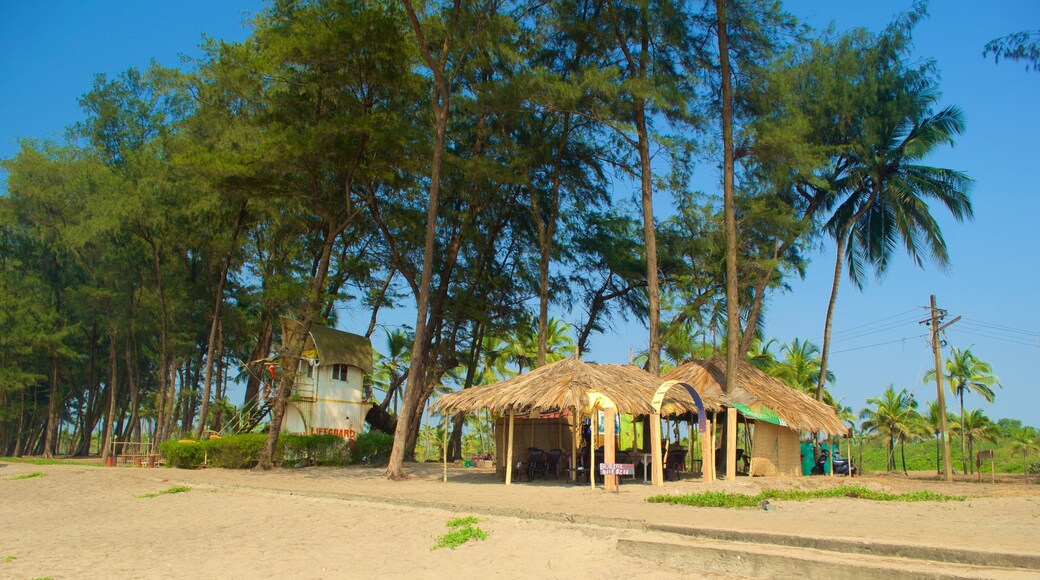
{"type": "Point", "coordinates": [29, 475]}
{"type": "Point", "coordinates": [174, 489]}
{"type": "Point", "coordinates": [462, 530]}
{"type": "Point", "coordinates": [35, 461]}
{"type": "Point", "coordinates": [739, 500]}
{"type": "Point", "coordinates": [8, 559]}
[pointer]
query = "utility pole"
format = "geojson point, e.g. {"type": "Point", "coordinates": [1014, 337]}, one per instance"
{"type": "Point", "coordinates": [937, 316]}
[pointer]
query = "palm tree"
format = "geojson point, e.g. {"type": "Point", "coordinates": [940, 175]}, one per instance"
{"type": "Point", "coordinates": [887, 197]}
{"type": "Point", "coordinates": [1021, 442]}
{"type": "Point", "coordinates": [965, 372]}
{"type": "Point", "coordinates": [975, 425]}
{"type": "Point", "coordinates": [931, 426]}
{"type": "Point", "coordinates": [893, 417]}
{"type": "Point", "coordinates": [521, 347]}
{"type": "Point", "coordinates": [761, 356]}
{"type": "Point", "coordinates": [800, 366]}
{"type": "Point", "coordinates": [391, 369]}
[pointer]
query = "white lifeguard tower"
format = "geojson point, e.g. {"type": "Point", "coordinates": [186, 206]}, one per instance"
{"type": "Point", "coordinates": [327, 397]}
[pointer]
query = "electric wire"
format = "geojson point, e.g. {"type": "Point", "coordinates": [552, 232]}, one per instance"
{"type": "Point", "coordinates": [982, 334]}
{"type": "Point", "coordinates": [1000, 327]}
{"type": "Point", "coordinates": [878, 321]}
{"type": "Point", "coordinates": [864, 333]}
{"type": "Point", "coordinates": [904, 339]}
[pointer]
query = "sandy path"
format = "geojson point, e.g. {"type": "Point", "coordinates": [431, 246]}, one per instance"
{"type": "Point", "coordinates": [83, 522]}
{"type": "Point", "coordinates": [78, 522]}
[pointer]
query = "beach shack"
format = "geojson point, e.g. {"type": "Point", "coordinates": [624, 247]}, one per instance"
{"type": "Point", "coordinates": [774, 415]}
{"type": "Point", "coordinates": [545, 407]}
{"type": "Point", "coordinates": [327, 395]}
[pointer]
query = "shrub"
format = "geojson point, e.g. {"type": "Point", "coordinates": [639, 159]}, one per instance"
{"type": "Point", "coordinates": [1033, 469]}
{"type": "Point", "coordinates": [372, 447]}
{"type": "Point", "coordinates": [301, 450]}
{"type": "Point", "coordinates": [183, 455]}
{"type": "Point", "coordinates": [237, 451]}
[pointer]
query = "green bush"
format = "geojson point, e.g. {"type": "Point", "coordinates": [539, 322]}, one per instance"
{"type": "Point", "coordinates": [183, 455]}
{"type": "Point", "coordinates": [372, 447]}
{"type": "Point", "coordinates": [301, 450]}
{"type": "Point", "coordinates": [237, 451]}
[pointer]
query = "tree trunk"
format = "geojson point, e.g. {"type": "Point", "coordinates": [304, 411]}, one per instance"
{"type": "Point", "coordinates": [218, 417]}
{"type": "Point", "coordinates": [262, 349]}
{"type": "Point", "coordinates": [729, 209]}
{"type": "Point", "coordinates": [134, 430]}
{"type": "Point", "coordinates": [902, 454]}
{"type": "Point", "coordinates": [964, 461]}
{"type": "Point", "coordinates": [113, 373]}
{"type": "Point", "coordinates": [291, 356]}
{"type": "Point", "coordinates": [52, 413]}
{"type": "Point", "coordinates": [213, 329]}
{"type": "Point", "coordinates": [441, 104]}
{"type": "Point", "coordinates": [650, 238]}
{"type": "Point", "coordinates": [843, 239]}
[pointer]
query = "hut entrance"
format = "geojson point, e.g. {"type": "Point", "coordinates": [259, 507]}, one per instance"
{"type": "Point", "coordinates": [657, 403]}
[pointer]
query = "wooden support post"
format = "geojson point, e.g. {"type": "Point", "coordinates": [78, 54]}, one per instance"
{"type": "Point", "coordinates": [655, 450]}
{"type": "Point", "coordinates": [731, 443]}
{"type": "Point", "coordinates": [707, 453]}
{"type": "Point", "coordinates": [509, 450]}
{"type": "Point", "coordinates": [575, 435]}
{"type": "Point", "coordinates": [444, 448]}
{"type": "Point", "coordinates": [592, 449]}
{"type": "Point", "coordinates": [609, 481]}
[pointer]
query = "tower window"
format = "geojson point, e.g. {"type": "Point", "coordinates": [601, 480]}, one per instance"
{"type": "Point", "coordinates": [339, 373]}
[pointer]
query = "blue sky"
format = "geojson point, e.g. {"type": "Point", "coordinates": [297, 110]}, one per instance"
{"type": "Point", "coordinates": [50, 52]}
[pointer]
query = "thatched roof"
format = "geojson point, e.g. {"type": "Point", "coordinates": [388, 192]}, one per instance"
{"type": "Point", "coordinates": [334, 347]}
{"type": "Point", "coordinates": [756, 388]}
{"type": "Point", "coordinates": [568, 384]}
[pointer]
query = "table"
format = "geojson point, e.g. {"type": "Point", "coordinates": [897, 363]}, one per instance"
{"type": "Point", "coordinates": [646, 459]}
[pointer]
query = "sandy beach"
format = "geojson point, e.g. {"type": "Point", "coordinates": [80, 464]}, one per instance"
{"type": "Point", "coordinates": [90, 522]}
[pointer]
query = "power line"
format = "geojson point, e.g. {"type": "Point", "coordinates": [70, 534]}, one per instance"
{"type": "Point", "coordinates": [864, 333]}
{"type": "Point", "coordinates": [1001, 327]}
{"type": "Point", "coordinates": [904, 339]}
{"type": "Point", "coordinates": [1019, 334]}
{"type": "Point", "coordinates": [982, 334]}
{"type": "Point", "coordinates": [878, 321]}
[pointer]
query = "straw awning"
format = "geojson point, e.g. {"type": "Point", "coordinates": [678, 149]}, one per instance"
{"type": "Point", "coordinates": [570, 384]}
{"type": "Point", "coordinates": [758, 391]}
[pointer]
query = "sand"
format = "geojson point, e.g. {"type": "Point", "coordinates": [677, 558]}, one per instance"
{"type": "Point", "coordinates": [89, 522]}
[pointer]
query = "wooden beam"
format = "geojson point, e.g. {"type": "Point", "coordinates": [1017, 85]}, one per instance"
{"type": "Point", "coordinates": [509, 450]}
{"type": "Point", "coordinates": [609, 481]}
{"type": "Point", "coordinates": [655, 450]}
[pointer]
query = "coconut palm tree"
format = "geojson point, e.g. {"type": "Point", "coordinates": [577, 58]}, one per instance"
{"type": "Point", "coordinates": [887, 194]}
{"type": "Point", "coordinates": [761, 355]}
{"type": "Point", "coordinates": [1022, 443]}
{"type": "Point", "coordinates": [391, 369]}
{"type": "Point", "coordinates": [964, 373]}
{"type": "Point", "coordinates": [975, 425]}
{"type": "Point", "coordinates": [800, 366]}
{"type": "Point", "coordinates": [931, 426]}
{"type": "Point", "coordinates": [893, 417]}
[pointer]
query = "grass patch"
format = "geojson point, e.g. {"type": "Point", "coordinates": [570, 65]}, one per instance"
{"type": "Point", "coordinates": [739, 500]}
{"type": "Point", "coordinates": [8, 559]}
{"type": "Point", "coordinates": [462, 530]}
{"type": "Point", "coordinates": [29, 475]}
{"type": "Point", "coordinates": [36, 461]}
{"type": "Point", "coordinates": [174, 489]}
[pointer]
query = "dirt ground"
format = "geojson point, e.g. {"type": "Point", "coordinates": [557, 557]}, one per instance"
{"type": "Point", "coordinates": [87, 522]}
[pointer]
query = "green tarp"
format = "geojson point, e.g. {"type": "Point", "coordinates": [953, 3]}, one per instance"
{"type": "Point", "coordinates": [760, 413]}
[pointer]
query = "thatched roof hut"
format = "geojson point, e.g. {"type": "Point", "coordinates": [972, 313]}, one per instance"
{"type": "Point", "coordinates": [570, 384]}
{"type": "Point", "coordinates": [756, 389]}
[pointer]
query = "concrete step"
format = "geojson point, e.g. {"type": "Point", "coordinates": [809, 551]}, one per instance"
{"type": "Point", "coordinates": [871, 547]}
{"type": "Point", "coordinates": [779, 561]}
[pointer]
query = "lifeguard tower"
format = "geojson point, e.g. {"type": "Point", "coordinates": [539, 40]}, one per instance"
{"type": "Point", "coordinates": [327, 397]}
